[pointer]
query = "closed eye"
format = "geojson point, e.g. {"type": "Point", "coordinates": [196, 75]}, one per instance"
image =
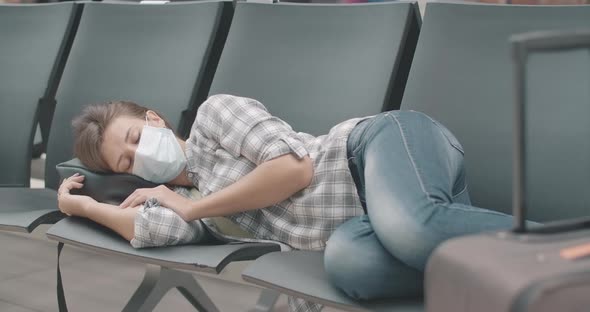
{"type": "Point", "coordinates": [130, 167]}
{"type": "Point", "coordinates": [137, 137]}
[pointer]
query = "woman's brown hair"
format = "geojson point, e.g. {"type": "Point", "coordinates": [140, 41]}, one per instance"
{"type": "Point", "coordinates": [90, 125]}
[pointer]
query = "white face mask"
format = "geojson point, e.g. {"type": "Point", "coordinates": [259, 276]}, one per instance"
{"type": "Point", "coordinates": [159, 157]}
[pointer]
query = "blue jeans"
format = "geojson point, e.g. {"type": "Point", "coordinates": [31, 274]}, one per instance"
{"type": "Point", "coordinates": [409, 173]}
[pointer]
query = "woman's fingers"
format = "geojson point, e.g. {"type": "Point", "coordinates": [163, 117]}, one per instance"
{"type": "Point", "coordinates": [140, 196]}
{"type": "Point", "coordinates": [75, 181]}
{"type": "Point", "coordinates": [138, 201]}
{"type": "Point", "coordinates": [75, 178]}
{"type": "Point", "coordinates": [130, 199]}
{"type": "Point", "coordinates": [76, 185]}
{"type": "Point", "coordinates": [124, 203]}
{"type": "Point", "coordinates": [133, 201]}
{"type": "Point", "coordinates": [72, 184]}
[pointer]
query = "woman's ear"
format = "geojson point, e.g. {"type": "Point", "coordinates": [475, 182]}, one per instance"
{"type": "Point", "coordinates": [154, 119]}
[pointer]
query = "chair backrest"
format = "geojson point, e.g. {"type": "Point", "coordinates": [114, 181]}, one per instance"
{"type": "Point", "coordinates": [462, 75]}
{"type": "Point", "coordinates": [315, 65]}
{"type": "Point", "coordinates": [159, 56]}
{"type": "Point", "coordinates": [33, 43]}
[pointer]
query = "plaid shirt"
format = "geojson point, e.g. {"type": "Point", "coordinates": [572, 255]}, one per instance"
{"type": "Point", "coordinates": [232, 135]}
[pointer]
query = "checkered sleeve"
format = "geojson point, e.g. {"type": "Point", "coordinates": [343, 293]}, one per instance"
{"type": "Point", "coordinates": [157, 226]}
{"type": "Point", "coordinates": [300, 305]}
{"type": "Point", "coordinates": [244, 127]}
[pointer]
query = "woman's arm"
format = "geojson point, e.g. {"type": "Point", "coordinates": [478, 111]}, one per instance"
{"type": "Point", "coordinates": [269, 183]}
{"type": "Point", "coordinates": [119, 220]}
{"type": "Point", "coordinates": [113, 217]}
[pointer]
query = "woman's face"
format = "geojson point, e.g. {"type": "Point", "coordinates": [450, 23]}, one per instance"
{"type": "Point", "coordinates": [121, 138]}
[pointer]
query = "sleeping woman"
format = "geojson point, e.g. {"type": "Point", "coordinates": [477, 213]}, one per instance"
{"type": "Point", "coordinates": [378, 193]}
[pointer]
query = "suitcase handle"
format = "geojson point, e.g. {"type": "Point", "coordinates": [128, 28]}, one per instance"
{"type": "Point", "coordinates": [522, 46]}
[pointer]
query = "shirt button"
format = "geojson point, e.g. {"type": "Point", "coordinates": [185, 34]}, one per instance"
{"type": "Point", "coordinates": [190, 175]}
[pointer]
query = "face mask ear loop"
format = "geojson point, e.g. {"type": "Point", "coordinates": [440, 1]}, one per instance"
{"type": "Point", "coordinates": [146, 121]}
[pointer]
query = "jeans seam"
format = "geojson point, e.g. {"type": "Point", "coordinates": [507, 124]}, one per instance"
{"type": "Point", "coordinates": [368, 123]}
{"type": "Point", "coordinates": [358, 185]}
{"type": "Point", "coordinates": [406, 146]}
{"type": "Point", "coordinates": [457, 146]}
{"type": "Point", "coordinates": [473, 209]}
{"type": "Point", "coordinates": [461, 192]}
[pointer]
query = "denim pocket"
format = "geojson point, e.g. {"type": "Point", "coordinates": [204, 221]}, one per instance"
{"type": "Point", "coordinates": [450, 136]}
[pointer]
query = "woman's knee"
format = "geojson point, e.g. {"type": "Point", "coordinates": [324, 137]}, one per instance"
{"type": "Point", "coordinates": [356, 262]}
{"type": "Point", "coordinates": [407, 238]}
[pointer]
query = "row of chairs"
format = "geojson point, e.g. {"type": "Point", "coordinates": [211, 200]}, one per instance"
{"type": "Point", "coordinates": [166, 57]}
{"type": "Point", "coordinates": [313, 66]}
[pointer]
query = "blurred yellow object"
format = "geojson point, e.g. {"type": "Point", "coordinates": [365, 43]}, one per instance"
{"type": "Point", "coordinates": [575, 252]}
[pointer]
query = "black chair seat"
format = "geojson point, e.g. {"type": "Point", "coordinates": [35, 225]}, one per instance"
{"type": "Point", "coordinates": [301, 274]}
{"type": "Point", "coordinates": [23, 209]}
{"type": "Point", "coordinates": [208, 258]}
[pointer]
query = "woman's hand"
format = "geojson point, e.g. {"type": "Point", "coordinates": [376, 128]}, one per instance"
{"type": "Point", "coordinates": [73, 205]}
{"type": "Point", "coordinates": [165, 196]}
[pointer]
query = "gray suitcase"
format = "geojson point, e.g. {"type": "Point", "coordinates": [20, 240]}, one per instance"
{"type": "Point", "coordinates": [540, 269]}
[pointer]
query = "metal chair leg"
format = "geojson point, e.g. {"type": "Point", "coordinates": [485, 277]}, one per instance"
{"type": "Point", "coordinates": [157, 281]}
{"type": "Point", "coordinates": [266, 302]}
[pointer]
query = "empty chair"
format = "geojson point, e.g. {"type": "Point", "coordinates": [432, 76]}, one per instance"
{"type": "Point", "coordinates": [462, 75]}
{"type": "Point", "coordinates": [106, 63]}
{"type": "Point", "coordinates": [35, 42]}
{"type": "Point", "coordinates": [464, 58]}
{"type": "Point", "coordinates": [315, 66]}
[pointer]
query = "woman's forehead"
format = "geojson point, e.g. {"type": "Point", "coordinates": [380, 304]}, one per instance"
{"type": "Point", "coordinates": [119, 126]}
{"type": "Point", "coordinates": [114, 137]}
